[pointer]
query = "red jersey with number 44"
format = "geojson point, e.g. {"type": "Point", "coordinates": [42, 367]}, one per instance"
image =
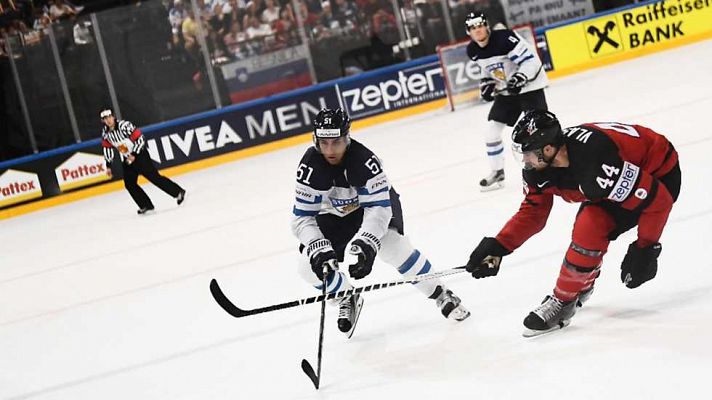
{"type": "Point", "coordinates": [608, 162]}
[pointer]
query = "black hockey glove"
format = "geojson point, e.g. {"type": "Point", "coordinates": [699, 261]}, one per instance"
{"type": "Point", "coordinates": [487, 86]}
{"type": "Point", "coordinates": [366, 256]}
{"type": "Point", "coordinates": [485, 259]}
{"type": "Point", "coordinates": [516, 83]}
{"type": "Point", "coordinates": [640, 265]}
{"type": "Point", "coordinates": [320, 252]}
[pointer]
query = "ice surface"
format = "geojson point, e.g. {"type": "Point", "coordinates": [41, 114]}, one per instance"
{"type": "Point", "coordinates": [99, 303]}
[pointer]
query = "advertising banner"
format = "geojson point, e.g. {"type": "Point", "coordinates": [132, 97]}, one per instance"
{"type": "Point", "coordinates": [226, 130]}
{"type": "Point", "coordinates": [411, 84]}
{"type": "Point", "coordinates": [246, 126]}
{"type": "Point", "coordinates": [81, 169]}
{"type": "Point", "coordinates": [18, 186]}
{"type": "Point", "coordinates": [546, 12]}
{"type": "Point", "coordinates": [644, 27]}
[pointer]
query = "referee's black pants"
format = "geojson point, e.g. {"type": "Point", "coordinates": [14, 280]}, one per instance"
{"type": "Point", "coordinates": [143, 165]}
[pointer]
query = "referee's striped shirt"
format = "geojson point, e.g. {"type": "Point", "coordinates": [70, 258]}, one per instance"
{"type": "Point", "coordinates": [125, 137]}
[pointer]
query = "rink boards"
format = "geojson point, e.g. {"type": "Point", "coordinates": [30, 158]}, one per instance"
{"type": "Point", "coordinates": [243, 130]}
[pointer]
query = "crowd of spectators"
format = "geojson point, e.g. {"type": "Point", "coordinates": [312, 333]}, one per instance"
{"type": "Point", "coordinates": [233, 29]}
{"type": "Point", "coordinates": [28, 19]}
{"type": "Point", "coordinates": [237, 29]}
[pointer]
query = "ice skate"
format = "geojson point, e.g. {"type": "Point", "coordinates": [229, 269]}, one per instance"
{"type": "Point", "coordinates": [145, 210]}
{"type": "Point", "coordinates": [493, 181]}
{"type": "Point", "coordinates": [584, 296]}
{"type": "Point", "coordinates": [450, 306]}
{"type": "Point", "coordinates": [349, 311]}
{"type": "Point", "coordinates": [181, 197]}
{"type": "Point", "coordinates": [551, 315]}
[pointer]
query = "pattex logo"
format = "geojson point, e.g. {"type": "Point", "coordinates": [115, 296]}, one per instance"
{"type": "Point", "coordinates": [603, 37]}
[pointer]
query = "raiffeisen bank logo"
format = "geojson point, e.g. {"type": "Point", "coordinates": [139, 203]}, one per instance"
{"type": "Point", "coordinates": [408, 88]}
{"type": "Point", "coordinates": [603, 37]}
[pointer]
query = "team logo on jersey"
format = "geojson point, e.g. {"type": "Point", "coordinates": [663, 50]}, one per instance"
{"type": "Point", "coordinates": [344, 206]}
{"type": "Point", "coordinates": [641, 193]}
{"type": "Point", "coordinates": [496, 70]}
{"type": "Point", "coordinates": [603, 37]}
{"type": "Point", "coordinates": [531, 128]}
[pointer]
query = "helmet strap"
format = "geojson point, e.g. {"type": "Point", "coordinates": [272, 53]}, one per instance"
{"type": "Point", "coordinates": [540, 155]}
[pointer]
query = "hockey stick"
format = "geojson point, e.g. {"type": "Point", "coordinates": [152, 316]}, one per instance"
{"type": "Point", "coordinates": [306, 367]}
{"type": "Point", "coordinates": [237, 312]}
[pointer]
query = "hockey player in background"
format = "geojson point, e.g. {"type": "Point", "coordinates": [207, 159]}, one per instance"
{"type": "Point", "coordinates": [123, 136]}
{"type": "Point", "coordinates": [512, 76]}
{"type": "Point", "coordinates": [343, 196]}
{"type": "Point", "coordinates": [624, 175]}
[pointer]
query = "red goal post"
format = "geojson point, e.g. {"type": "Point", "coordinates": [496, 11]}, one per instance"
{"type": "Point", "coordinates": [461, 75]}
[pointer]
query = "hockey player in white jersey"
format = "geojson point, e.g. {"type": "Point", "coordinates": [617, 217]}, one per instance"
{"type": "Point", "coordinates": [343, 197]}
{"type": "Point", "coordinates": [513, 77]}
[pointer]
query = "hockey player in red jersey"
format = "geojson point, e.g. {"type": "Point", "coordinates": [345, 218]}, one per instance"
{"type": "Point", "coordinates": [624, 176]}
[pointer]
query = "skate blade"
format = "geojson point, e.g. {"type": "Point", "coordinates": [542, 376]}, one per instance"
{"type": "Point", "coordinates": [359, 305]}
{"type": "Point", "coordinates": [492, 187]}
{"type": "Point", "coordinates": [532, 333]}
{"type": "Point", "coordinates": [459, 314]}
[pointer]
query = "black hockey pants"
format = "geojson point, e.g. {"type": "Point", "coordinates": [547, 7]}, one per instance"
{"type": "Point", "coordinates": [143, 165]}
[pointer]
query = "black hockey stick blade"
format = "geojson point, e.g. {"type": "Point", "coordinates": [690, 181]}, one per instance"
{"type": "Point", "coordinates": [237, 312]}
{"type": "Point", "coordinates": [307, 368]}
{"type": "Point", "coordinates": [224, 302]}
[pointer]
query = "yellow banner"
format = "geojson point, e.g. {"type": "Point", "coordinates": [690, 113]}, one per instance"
{"type": "Point", "coordinates": [643, 29]}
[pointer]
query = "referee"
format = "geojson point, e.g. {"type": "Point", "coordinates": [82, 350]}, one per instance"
{"type": "Point", "coordinates": [123, 136]}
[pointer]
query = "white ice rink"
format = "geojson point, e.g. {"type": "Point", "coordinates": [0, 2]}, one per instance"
{"type": "Point", "coordinates": [98, 303]}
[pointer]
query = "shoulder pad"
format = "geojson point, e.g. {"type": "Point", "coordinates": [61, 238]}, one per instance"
{"type": "Point", "coordinates": [358, 151]}
{"type": "Point", "coordinates": [316, 168]}
{"type": "Point", "coordinates": [361, 164]}
{"type": "Point", "coordinates": [504, 37]}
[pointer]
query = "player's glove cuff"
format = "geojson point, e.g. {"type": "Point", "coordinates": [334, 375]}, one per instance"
{"type": "Point", "coordinates": [370, 239]}
{"type": "Point", "coordinates": [318, 246]}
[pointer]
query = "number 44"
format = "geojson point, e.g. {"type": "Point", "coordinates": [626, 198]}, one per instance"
{"type": "Point", "coordinates": [610, 171]}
